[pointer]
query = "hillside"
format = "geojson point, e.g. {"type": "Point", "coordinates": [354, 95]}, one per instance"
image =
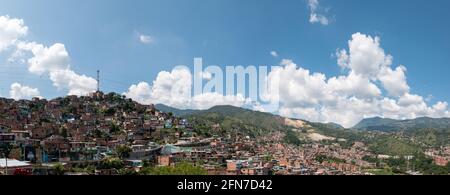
{"type": "Point", "coordinates": [232, 118]}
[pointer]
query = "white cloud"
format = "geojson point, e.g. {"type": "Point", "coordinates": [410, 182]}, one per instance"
{"type": "Point", "coordinates": [316, 15]}
{"type": "Point", "coordinates": [318, 18]}
{"type": "Point", "coordinates": [76, 84]}
{"type": "Point", "coordinates": [365, 56]}
{"type": "Point", "coordinates": [410, 100]}
{"type": "Point", "coordinates": [170, 88]}
{"type": "Point", "coordinates": [146, 39]}
{"type": "Point", "coordinates": [394, 81]}
{"type": "Point", "coordinates": [19, 92]}
{"type": "Point", "coordinates": [142, 93]}
{"type": "Point", "coordinates": [208, 100]}
{"type": "Point", "coordinates": [354, 85]}
{"type": "Point", "coordinates": [298, 86]}
{"type": "Point", "coordinates": [46, 59]}
{"type": "Point", "coordinates": [54, 61]}
{"type": "Point", "coordinates": [11, 29]}
{"type": "Point", "coordinates": [441, 106]}
{"type": "Point", "coordinates": [342, 58]}
{"type": "Point", "coordinates": [174, 89]}
{"type": "Point", "coordinates": [274, 53]}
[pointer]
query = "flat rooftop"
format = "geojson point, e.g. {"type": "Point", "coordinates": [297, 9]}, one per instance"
{"type": "Point", "coordinates": [13, 163]}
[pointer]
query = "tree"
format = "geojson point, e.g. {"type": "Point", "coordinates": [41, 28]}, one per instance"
{"type": "Point", "coordinates": [114, 129]}
{"type": "Point", "coordinates": [123, 151]}
{"type": "Point", "coordinates": [6, 149]}
{"type": "Point", "coordinates": [63, 132]}
{"type": "Point", "coordinates": [125, 171]}
{"type": "Point", "coordinates": [110, 111]}
{"type": "Point", "coordinates": [146, 163]}
{"type": "Point", "coordinates": [111, 163]}
{"type": "Point", "coordinates": [59, 169]}
{"type": "Point", "coordinates": [292, 138]}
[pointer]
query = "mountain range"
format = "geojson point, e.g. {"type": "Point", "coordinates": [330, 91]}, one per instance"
{"type": "Point", "coordinates": [425, 131]}
{"type": "Point", "coordinates": [260, 119]}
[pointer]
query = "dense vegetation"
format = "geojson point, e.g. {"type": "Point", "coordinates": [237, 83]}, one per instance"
{"type": "Point", "coordinates": [292, 138]}
{"type": "Point", "coordinates": [179, 169]}
{"type": "Point", "coordinates": [392, 146]}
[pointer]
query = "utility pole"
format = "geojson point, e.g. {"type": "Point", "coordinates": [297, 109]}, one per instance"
{"type": "Point", "coordinates": [6, 166]}
{"type": "Point", "coordinates": [6, 151]}
{"type": "Point", "coordinates": [98, 80]}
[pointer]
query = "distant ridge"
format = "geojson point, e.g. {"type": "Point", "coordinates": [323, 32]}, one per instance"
{"type": "Point", "coordinates": [174, 111]}
{"type": "Point", "coordinates": [390, 125]}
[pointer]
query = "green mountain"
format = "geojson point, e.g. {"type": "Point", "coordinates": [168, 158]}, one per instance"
{"type": "Point", "coordinates": [221, 114]}
{"type": "Point", "coordinates": [391, 125]}
{"type": "Point", "coordinates": [234, 118]}
{"type": "Point", "coordinates": [174, 111]}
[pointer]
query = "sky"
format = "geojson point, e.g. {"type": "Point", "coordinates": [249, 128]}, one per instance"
{"type": "Point", "coordinates": [341, 61]}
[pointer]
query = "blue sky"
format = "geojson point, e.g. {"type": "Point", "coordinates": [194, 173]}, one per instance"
{"type": "Point", "coordinates": [104, 34]}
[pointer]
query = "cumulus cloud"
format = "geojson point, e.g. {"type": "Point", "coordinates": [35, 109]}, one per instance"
{"type": "Point", "coordinates": [174, 89]}
{"type": "Point", "coordinates": [141, 92]}
{"type": "Point", "coordinates": [316, 15]}
{"type": "Point", "coordinates": [19, 92]}
{"type": "Point", "coordinates": [365, 56]}
{"type": "Point", "coordinates": [394, 81]}
{"type": "Point", "coordinates": [354, 85]}
{"type": "Point", "coordinates": [75, 84]}
{"type": "Point", "coordinates": [46, 59]}
{"type": "Point", "coordinates": [11, 29]}
{"type": "Point", "coordinates": [298, 86]}
{"type": "Point", "coordinates": [170, 88]}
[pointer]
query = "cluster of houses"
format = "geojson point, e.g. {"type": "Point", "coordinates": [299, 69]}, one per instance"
{"type": "Point", "coordinates": [84, 129]}
{"type": "Point", "coordinates": [440, 156]}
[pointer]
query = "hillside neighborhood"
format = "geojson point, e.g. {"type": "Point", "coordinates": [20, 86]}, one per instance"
{"type": "Point", "coordinates": [108, 134]}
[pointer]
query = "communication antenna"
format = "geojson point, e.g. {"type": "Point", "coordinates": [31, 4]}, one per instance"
{"type": "Point", "coordinates": [98, 80]}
